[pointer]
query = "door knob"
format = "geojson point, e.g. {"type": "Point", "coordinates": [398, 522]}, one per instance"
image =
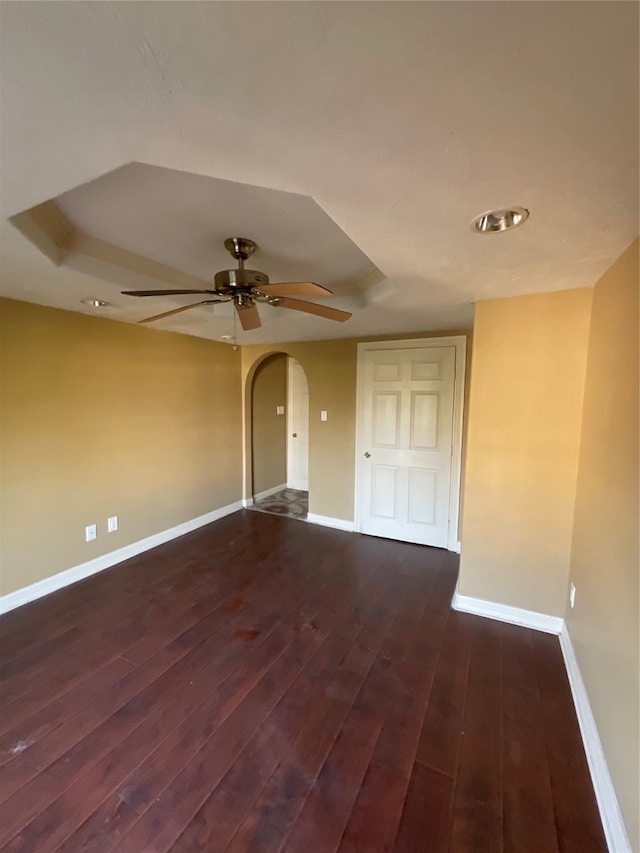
{"type": "Point", "coordinates": [366, 454]}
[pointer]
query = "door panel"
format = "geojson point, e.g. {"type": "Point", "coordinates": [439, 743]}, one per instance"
{"type": "Point", "coordinates": [384, 372]}
{"type": "Point", "coordinates": [386, 419]}
{"type": "Point", "coordinates": [425, 370]}
{"type": "Point", "coordinates": [406, 427]}
{"type": "Point", "coordinates": [422, 496]}
{"type": "Point", "coordinates": [383, 491]}
{"type": "Point", "coordinates": [424, 421]}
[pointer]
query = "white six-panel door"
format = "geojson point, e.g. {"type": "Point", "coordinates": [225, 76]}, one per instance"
{"type": "Point", "coordinates": [405, 442]}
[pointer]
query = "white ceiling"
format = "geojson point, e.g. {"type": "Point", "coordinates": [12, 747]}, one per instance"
{"type": "Point", "coordinates": [401, 120]}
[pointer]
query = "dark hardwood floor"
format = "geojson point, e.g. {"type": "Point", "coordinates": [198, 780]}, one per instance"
{"type": "Point", "coordinates": [266, 685]}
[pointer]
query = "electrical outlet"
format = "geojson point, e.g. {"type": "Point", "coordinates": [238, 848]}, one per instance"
{"type": "Point", "coordinates": [323, 415]}
{"type": "Point", "coordinates": [112, 524]}
{"type": "Point", "coordinates": [572, 595]}
{"type": "Point", "coordinates": [90, 532]}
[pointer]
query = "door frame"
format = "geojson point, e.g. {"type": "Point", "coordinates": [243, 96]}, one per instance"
{"type": "Point", "coordinates": [459, 342]}
{"type": "Point", "coordinates": [290, 360]}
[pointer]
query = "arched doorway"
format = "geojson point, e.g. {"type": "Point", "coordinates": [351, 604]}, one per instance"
{"type": "Point", "coordinates": [277, 436]}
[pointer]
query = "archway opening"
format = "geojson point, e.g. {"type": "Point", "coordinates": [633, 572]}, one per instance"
{"type": "Point", "coordinates": [278, 422]}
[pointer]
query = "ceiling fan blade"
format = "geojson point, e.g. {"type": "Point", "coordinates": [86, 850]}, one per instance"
{"type": "Point", "coordinates": [249, 317]}
{"type": "Point", "coordinates": [161, 292]}
{"type": "Point", "coordinates": [312, 308]}
{"type": "Point", "coordinates": [177, 310]}
{"type": "Point", "coordinates": [296, 288]}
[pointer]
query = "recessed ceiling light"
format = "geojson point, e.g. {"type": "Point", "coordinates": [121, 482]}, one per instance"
{"type": "Point", "coordinates": [95, 303]}
{"type": "Point", "coordinates": [495, 221]}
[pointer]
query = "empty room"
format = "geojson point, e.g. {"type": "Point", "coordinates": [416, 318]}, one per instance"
{"type": "Point", "coordinates": [319, 427]}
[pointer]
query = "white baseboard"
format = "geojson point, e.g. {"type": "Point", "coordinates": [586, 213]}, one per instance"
{"type": "Point", "coordinates": [327, 521]}
{"type": "Point", "coordinates": [36, 590]}
{"type": "Point", "coordinates": [612, 821]}
{"type": "Point", "coordinates": [504, 613]}
{"type": "Point", "coordinates": [266, 494]}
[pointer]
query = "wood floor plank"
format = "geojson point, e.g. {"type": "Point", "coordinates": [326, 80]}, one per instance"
{"type": "Point", "coordinates": [128, 583]}
{"type": "Point", "coordinates": [31, 799]}
{"type": "Point", "coordinates": [374, 819]}
{"type": "Point", "coordinates": [404, 679]}
{"type": "Point", "coordinates": [218, 818]}
{"type": "Point", "coordinates": [147, 577]}
{"type": "Point", "coordinates": [577, 820]}
{"type": "Point", "coordinates": [274, 812]}
{"type": "Point", "coordinates": [29, 731]}
{"type": "Point", "coordinates": [265, 826]}
{"type": "Point", "coordinates": [87, 791]}
{"type": "Point", "coordinates": [167, 763]}
{"type": "Point", "coordinates": [57, 743]}
{"type": "Point", "coordinates": [321, 821]}
{"type": "Point", "coordinates": [441, 735]}
{"type": "Point", "coordinates": [92, 649]}
{"type": "Point", "coordinates": [220, 660]}
{"type": "Point", "coordinates": [263, 685]}
{"type": "Point", "coordinates": [102, 830]}
{"type": "Point", "coordinates": [214, 616]}
{"type": "Point", "coordinates": [426, 818]}
{"type": "Point", "coordinates": [405, 675]}
{"type": "Point", "coordinates": [529, 824]}
{"type": "Point", "coordinates": [477, 818]}
{"type": "Point", "coordinates": [165, 816]}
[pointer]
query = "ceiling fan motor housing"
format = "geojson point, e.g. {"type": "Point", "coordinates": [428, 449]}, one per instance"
{"type": "Point", "coordinates": [227, 281]}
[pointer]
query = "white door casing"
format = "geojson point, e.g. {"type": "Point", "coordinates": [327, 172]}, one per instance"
{"type": "Point", "coordinates": [297, 427]}
{"type": "Point", "coordinates": [409, 436]}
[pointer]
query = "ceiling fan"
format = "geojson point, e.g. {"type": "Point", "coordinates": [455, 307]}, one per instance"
{"type": "Point", "coordinates": [245, 288]}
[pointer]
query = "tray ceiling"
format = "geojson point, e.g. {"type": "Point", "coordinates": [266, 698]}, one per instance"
{"type": "Point", "coordinates": [353, 140]}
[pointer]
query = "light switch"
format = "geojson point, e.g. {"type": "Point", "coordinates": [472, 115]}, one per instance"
{"type": "Point", "coordinates": [279, 410]}
{"type": "Point", "coordinates": [323, 415]}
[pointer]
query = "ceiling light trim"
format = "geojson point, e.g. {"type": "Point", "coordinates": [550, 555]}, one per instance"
{"type": "Point", "coordinates": [499, 220]}
{"type": "Point", "coordinates": [92, 302]}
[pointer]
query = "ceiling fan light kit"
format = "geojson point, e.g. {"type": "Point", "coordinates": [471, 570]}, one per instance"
{"type": "Point", "coordinates": [247, 287]}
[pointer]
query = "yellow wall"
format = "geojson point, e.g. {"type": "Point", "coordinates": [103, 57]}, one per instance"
{"type": "Point", "coordinates": [528, 368]}
{"type": "Point", "coordinates": [268, 429]}
{"type": "Point", "coordinates": [331, 371]}
{"type": "Point", "coordinates": [101, 418]}
{"type": "Point", "coordinates": [604, 626]}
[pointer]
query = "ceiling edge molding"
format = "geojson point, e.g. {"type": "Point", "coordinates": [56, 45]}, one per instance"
{"type": "Point", "coordinates": [47, 228]}
{"type": "Point", "coordinates": [107, 255]}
